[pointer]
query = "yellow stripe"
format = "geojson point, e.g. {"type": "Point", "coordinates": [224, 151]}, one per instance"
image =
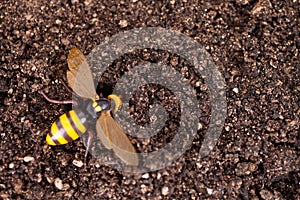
{"type": "Point", "coordinates": [68, 127]}
{"type": "Point", "coordinates": [98, 108]}
{"type": "Point", "coordinates": [57, 135]}
{"type": "Point", "coordinates": [95, 104]}
{"type": "Point", "coordinates": [49, 140]}
{"type": "Point", "coordinates": [77, 121]}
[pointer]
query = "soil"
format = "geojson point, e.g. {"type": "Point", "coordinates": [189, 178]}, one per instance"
{"type": "Point", "coordinates": [256, 46]}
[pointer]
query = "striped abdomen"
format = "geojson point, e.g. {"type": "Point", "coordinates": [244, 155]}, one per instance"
{"type": "Point", "coordinates": [67, 128]}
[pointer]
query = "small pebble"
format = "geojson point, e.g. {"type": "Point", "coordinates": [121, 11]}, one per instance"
{"type": "Point", "coordinates": [65, 41]}
{"type": "Point", "coordinates": [165, 191]}
{"type": "Point", "coordinates": [266, 194]}
{"type": "Point", "coordinates": [143, 188]}
{"type": "Point", "coordinates": [28, 158]}
{"type": "Point", "coordinates": [235, 90]}
{"type": "Point", "coordinates": [77, 163]}
{"type": "Point", "coordinates": [209, 191]}
{"type": "Point", "coordinates": [200, 126]}
{"type": "Point", "coordinates": [58, 22]}
{"type": "Point", "coordinates": [11, 165]}
{"type": "Point", "coordinates": [39, 177]}
{"type": "Point", "coordinates": [49, 179]}
{"type": "Point", "coordinates": [172, 2]}
{"type": "Point", "coordinates": [145, 176]}
{"type": "Point", "coordinates": [158, 176]}
{"type": "Point", "coordinates": [58, 183]}
{"type": "Point", "coordinates": [123, 23]}
{"type": "Point", "coordinates": [10, 91]}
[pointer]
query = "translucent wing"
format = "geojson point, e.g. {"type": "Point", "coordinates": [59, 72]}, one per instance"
{"type": "Point", "coordinates": [79, 76]}
{"type": "Point", "coordinates": [119, 141]}
{"type": "Point", "coordinates": [102, 131]}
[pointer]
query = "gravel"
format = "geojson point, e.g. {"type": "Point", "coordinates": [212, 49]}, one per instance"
{"type": "Point", "coordinates": [256, 46]}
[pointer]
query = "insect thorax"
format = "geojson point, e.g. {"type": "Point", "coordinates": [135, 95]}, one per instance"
{"type": "Point", "coordinates": [95, 107]}
{"type": "Point", "coordinates": [91, 109]}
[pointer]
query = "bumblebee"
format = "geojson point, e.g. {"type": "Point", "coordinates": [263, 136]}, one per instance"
{"type": "Point", "coordinates": [74, 123]}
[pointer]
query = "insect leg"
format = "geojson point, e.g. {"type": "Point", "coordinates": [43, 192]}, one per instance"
{"type": "Point", "coordinates": [56, 101]}
{"type": "Point", "coordinates": [89, 144]}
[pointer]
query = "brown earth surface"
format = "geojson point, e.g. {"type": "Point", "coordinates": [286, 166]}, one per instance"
{"type": "Point", "coordinates": [254, 43]}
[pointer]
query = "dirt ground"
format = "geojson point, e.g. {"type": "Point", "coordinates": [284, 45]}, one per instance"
{"type": "Point", "coordinates": [254, 43]}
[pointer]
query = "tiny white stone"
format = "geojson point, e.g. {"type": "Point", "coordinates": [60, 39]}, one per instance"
{"type": "Point", "coordinates": [123, 23]}
{"type": "Point", "coordinates": [146, 176]}
{"type": "Point", "coordinates": [158, 176]}
{"type": "Point", "coordinates": [49, 179]}
{"type": "Point", "coordinates": [58, 21]}
{"type": "Point", "coordinates": [143, 188]}
{"type": "Point", "coordinates": [39, 177]}
{"type": "Point", "coordinates": [11, 165]}
{"type": "Point", "coordinates": [58, 183]}
{"type": "Point", "coordinates": [28, 158]}
{"type": "Point", "coordinates": [236, 90]}
{"type": "Point", "coordinates": [77, 163]}
{"type": "Point", "coordinates": [200, 126]}
{"type": "Point", "coordinates": [165, 191]}
{"type": "Point", "coordinates": [209, 191]}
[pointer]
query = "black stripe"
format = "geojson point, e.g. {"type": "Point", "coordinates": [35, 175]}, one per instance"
{"type": "Point", "coordinates": [52, 138]}
{"type": "Point", "coordinates": [63, 131]}
{"type": "Point", "coordinates": [73, 124]}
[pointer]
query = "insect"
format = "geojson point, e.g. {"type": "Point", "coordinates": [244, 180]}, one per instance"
{"type": "Point", "coordinates": [75, 123]}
